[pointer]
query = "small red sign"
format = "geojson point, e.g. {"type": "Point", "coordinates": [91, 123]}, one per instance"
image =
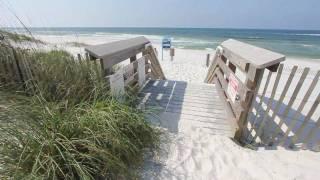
{"type": "Point", "coordinates": [233, 87]}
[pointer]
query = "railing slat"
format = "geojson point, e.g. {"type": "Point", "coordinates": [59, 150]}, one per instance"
{"type": "Point", "coordinates": [213, 66]}
{"type": "Point", "coordinates": [282, 96]}
{"type": "Point", "coordinates": [300, 108]}
{"type": "Point", "coordinates": [291, 101]}
{"type": "Point", "coordinates": [265, 115]}
{"type": "Point", "coordinates": [155, 62]}
{"type": "Point", "coordinates": [306, 120]}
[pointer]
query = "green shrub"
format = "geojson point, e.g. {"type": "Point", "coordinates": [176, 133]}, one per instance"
{"type": "Point", "coordinates": [42, 140]}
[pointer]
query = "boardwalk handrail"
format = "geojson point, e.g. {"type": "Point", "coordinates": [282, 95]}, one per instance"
{"type": "Point", "coordinates": [111, 54]}
{"type": "Point", "coordinates": [237, 68]}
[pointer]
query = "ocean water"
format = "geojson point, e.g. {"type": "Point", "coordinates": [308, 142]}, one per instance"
{"type": "Point", "coordinates": [292, 43]}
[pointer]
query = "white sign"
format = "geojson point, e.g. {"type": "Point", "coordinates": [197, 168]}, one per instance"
{"type": "Point", "coordinates": [233, 87]}
{"type": "Point", "coordinates": [117, 83]}
{"type": "Point", "coordinates": [141, 71]}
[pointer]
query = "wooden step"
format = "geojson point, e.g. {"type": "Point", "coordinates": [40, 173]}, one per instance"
{"type": "Point", "coordinates": [181, 106]}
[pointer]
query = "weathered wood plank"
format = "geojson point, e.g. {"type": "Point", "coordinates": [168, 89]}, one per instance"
{"type": "Point", "coordinates": [217, 107]}
{"type": "Point", "coordinates": [118, 51]}
{"type": "Point", "coordinates": [183, 101]}
{"type": "Point", "coordinates": [243, 54]}
{"type": "Point", "coordinates": [182, 94]}
{"type": "Point", "coordinates": [179, 87]}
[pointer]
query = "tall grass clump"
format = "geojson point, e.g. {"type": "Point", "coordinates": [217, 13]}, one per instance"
{"type": "Point", "coordinates": [60, 123]}
{"type": "Point", "coordinates": [41, 140]}
{"type": "Point", "coordinates": [56, 76]}
{"type": "Point", "coordinates": [17, 38]}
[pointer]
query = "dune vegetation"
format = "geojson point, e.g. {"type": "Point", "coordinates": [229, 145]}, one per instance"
{"type": "Point", "coordinates": [61, 123]}
{"type": "Point", "coordinates": [17, 38]}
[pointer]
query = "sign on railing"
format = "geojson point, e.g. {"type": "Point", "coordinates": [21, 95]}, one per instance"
{"type": "Point", "coordinates": [233, 87]}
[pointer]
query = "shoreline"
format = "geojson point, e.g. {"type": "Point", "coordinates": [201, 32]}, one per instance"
{"type": "Point", "coordinates": [93, 39]}
{"type": "Point", "coordinates": [188, 65]}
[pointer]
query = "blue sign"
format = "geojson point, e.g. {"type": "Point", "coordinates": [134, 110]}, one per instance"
{"type": "Point", "coordinates": [166, 43]}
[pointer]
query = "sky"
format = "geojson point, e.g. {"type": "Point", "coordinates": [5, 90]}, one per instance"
{"type": "Point", "coordinates": [257, 14]}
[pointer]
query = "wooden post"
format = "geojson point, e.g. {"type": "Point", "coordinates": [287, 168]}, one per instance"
{"type": "Point", "coordinates": [144, 53]}
{"type": "Point", "coordinates": [105, 70]}
{"type": "Point", "coordinates": [172, 53]}
{"type": "Point", "coordinates": [156, 51]}
{"type": "Point", "coordinates": [253, 81]}
{"type": "Point", "coordinates": [135, 65]}
{"type": "Point", "coordinates": [208, 60]}
{"type": "Point", "coordinates": [87, 59]}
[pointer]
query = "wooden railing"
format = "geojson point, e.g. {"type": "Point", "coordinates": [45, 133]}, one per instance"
{"type": "Point", "coordinates": [237, 69]}
{"type": "Point", "coordinates": [133, 74]}
{"type": "Point", "coordinates": [286, 110]}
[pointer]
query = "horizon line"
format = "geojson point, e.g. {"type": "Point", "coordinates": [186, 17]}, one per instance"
{"type": "Point", "coordinates": [168, 27]}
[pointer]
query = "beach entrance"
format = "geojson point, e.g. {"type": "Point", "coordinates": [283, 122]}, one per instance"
{"type": "Point", "coordinates": [237, 99]}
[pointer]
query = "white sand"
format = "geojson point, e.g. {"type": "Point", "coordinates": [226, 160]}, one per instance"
{"type": "Point", "coordinates": [203, 156]}
{"type": "Point", "coordinates": [197, 155]}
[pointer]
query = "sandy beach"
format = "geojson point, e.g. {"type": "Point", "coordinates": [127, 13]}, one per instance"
{"type": "Point", "coordinates": [199, 155]}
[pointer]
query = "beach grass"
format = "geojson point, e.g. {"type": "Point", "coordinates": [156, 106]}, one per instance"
{"type": "Point", "coordinates": [61, 123]}
{"type": "Point", "coordinates": [16, 37]}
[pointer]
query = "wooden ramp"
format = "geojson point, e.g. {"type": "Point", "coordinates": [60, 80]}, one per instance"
{"type": "Point", "coordinates": [239, 96]}
{"type": "Point", "coordinates": [186, 107]}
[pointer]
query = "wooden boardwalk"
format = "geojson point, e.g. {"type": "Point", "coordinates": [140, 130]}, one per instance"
{"type": "Point", "coordinates": [186, 107]}
{"type": "Point", "coordinates": [227, 102]}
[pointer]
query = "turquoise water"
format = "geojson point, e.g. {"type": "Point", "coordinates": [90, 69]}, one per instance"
{"type": "Point", "coordinates": [293, 43]}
